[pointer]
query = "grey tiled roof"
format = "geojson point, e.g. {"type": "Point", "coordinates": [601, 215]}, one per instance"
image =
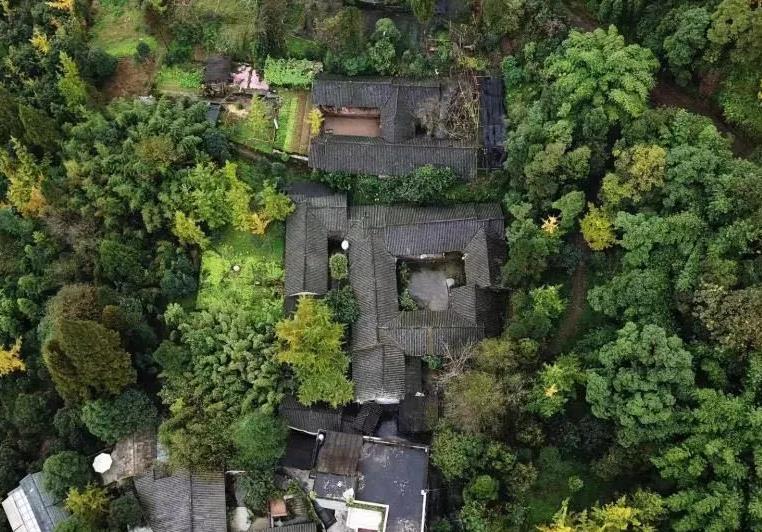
{"type": "Point", "coordinates": [378, 235]}
{"type": "Point", "coordinates": [395, 98]}
{"type": "Point", "coordinates": [183, 501]}
{"type": "Point", "coordinates": [397, 151]}
{"type": "Point", "coordinates": [308, 228]}
{"type": "Point", "coordinates": [310, 419]}
{"type": "Point", "coordinates": [413, 375]}
{"type": "Point", "coordinates": [375, 156]}
{"type": "Point", "coordinates": [378, 373]}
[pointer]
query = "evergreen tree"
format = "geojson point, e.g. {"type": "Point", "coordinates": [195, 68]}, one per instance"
{"type": "Point", "coordinates": [86, 360]}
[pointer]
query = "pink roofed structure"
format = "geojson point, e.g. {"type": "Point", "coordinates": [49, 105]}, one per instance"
{"type": "Point", "coordinates": [247, 79]}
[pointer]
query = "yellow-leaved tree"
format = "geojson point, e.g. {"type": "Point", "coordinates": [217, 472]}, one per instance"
{"type": "Point", "coordinates": [10, 359]}
{"type": "Point", "coordinates": [316, 121]}
{"type": "Point", "coordinates": [310, 342]}
{"type": "Point", "coordinates": [63, 5]}
{"type": "Point", "coordinates": [597, 228]}
{"type": "Point", "coordinates": [639, 512]}
{"type": "Point", "coordinates": [25, 176]}
{"type": "Point", "coordinates": [40, 42]}
{"type": "Point", "coordinates": [188, 231]}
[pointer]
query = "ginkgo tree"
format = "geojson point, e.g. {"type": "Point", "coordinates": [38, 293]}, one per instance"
{"type": "Point", "coordinates": [311, 343]}
{"type": "Point", "coordinates": [10, 359]}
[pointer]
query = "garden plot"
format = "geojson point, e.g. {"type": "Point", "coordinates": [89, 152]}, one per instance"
{"type": "Point", "coordinates": [254, 125]}
{"type": "Point", "coordinates": [119, 27]}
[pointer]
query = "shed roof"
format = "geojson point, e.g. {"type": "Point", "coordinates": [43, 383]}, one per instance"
{"type": "Point", "coordinates": [339, 453]}
{"type": "Point", "coordinates": [217, 69]}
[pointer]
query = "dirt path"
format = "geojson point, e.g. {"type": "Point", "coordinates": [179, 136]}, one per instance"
{"type": "Point", "coordinates": [130, 79]}
{"type": "Point", "coordinates": [569, 326]}
{"type": "Point", "coordinates": [666, 92]}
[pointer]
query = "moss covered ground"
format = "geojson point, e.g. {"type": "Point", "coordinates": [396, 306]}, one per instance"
{"type": "Point", "coordinates": [257, 285]}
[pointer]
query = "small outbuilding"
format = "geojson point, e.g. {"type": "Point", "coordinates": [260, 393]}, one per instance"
{"type": "Point", "coordinates": [30, 508]}
{"type": "Point", "coordinates": [217, 75]}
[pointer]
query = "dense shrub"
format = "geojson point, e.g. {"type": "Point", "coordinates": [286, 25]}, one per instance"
{"type": "Point", "coordinates": [113, 419]}
{"type": "Point", "coordinates": [343, 305]}
{"type": "Point", "coordinates": [260, 440]}
{"type": "Point", "coordinates": [339, 266]}
{"type": "Point", "coordinates": [142, 52]}
{"type": "Point", "coordinates": [124, 512]}
{"type": "Point", "coordinates": [290, 72]}
{"type": "Point", "coordinates": [65, 470]}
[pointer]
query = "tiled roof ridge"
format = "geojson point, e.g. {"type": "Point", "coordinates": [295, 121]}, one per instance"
{"type": "Point", "coordinates": [418, 142]}
{"type": "Point", "coordinates": [190, 499]}
{"type": "Point", "coordinates": [399, 81]}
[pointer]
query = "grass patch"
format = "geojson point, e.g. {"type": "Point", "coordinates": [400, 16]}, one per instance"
{"type": "Point", "coordinates": [257, 287]}
{"type": "Point", "coordinates": [179, 79]}
{"type": "Point", "coordinates": [119, 27]}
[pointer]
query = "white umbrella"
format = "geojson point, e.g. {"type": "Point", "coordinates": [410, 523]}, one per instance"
{"type": "Point", "coordinates": [102, 463]}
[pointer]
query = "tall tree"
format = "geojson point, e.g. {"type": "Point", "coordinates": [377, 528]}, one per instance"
{"type": "Point", "coordinates": [596, 72]}
{"type": "Point", "coordinates": [86, 360]}
{"type": "Point", "coordinates": [642, 382]}
{"type": "Point", "coordinates": [719, 485]}
{"type": "Point", "coordinates": [310, 342]}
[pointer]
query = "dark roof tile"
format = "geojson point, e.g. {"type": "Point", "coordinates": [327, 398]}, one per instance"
{"type": "Point", "coordinates": [339, 453]}
{"type": "Point", "coordinates": [310, 419]}
{"type": "Point", "coordinates": [183, 501]}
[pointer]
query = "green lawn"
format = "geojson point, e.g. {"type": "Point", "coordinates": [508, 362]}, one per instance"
{"type": "Point", "coordinates": [257, 286]}
{"type": "Point", "coordinates": [179, 79]}
{"type": "Point", "coordinates": [120, 26]}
